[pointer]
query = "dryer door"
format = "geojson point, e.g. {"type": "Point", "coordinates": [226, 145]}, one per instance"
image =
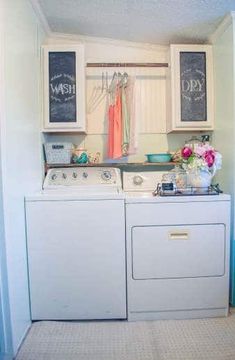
{"type": "Point", "coordinates": [181, 251]}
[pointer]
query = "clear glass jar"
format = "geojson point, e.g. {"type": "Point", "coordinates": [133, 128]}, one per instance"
{"type": "Point", "coordinates": [180, 177]}
{"type": "Point", "coordinates": [193, 142]}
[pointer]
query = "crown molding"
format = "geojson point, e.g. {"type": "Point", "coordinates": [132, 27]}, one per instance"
{"type": "Point", "coordinates": [41, 17]}
{"type": "Point", "coordinates": [225, 23]}
{"type": "Point", "coordinates": [106, 41]}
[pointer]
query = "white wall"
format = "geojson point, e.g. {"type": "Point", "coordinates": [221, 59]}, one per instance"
{"type": "Point", "coordinates": [224, 134]}
{"type": "Point", "coordinates": [20, 147]}
{"type": "Point", "coordinates": [150, 85]}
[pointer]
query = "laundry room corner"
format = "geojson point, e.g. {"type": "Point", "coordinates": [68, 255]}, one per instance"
{"type": "Point", "coordinates": [21, 164]}
{"type": "Point", "coordinates": [117, 172]}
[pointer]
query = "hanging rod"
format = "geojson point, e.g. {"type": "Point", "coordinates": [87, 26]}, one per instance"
{"type": "Point", "coordinates": [127, 64]}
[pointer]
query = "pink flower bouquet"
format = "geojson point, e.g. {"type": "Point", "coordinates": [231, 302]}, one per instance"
{"type": "Point", "coordinates": [202, 157]}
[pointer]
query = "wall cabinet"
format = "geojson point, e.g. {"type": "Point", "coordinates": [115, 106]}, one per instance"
{"type": "Point", "coordinates": [190, 104]}
{"type": "Point", "coordinates": [64, 88]}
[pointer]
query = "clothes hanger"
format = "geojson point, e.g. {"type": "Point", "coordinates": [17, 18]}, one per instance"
{"type": "Point", "coordinates": [101, 92]}
{"type": "Point", "coordinates": [124, 79]}
{"type": "Point", "coordinates": [113, 85]}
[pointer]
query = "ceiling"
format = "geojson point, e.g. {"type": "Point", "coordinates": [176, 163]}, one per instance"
{"type": "Point", "coordinates": [149, 21]}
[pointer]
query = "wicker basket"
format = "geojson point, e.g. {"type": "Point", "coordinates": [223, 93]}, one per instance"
{"type": "Point", "coordinates": [58, 153]}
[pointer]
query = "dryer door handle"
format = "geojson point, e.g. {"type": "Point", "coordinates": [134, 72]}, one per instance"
{"type": "Point", "coordinates": [178, 235]}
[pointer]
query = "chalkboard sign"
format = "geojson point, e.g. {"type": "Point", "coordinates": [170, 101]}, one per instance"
{"type": "Point", "coordinates": [193, 86]}
{"type": "Point", "coordinates": [189, 88]}
{"type": "Point", "coordinates": [62, 86]}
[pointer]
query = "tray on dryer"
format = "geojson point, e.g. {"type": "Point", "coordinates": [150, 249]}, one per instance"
{"type": "Point", "coordinates": [169, 189]}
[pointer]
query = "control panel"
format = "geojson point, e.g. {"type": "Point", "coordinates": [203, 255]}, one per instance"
{"type": "Point", "coordinates": [82, 177]}
{"type": "Point", "coordinates": [141, 181]}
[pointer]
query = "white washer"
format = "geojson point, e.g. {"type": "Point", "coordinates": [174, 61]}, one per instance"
{"type": "Point", "coordinates": [76, 245]}
{"type": "Point", "coordinates": [177, 252]}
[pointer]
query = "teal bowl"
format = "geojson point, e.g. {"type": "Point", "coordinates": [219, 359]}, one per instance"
{"type": "Point", "coordinates": [158, 158]}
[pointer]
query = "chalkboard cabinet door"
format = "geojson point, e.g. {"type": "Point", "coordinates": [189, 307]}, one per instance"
{"type": "Point", "coordinates": [190, 103]}
{"type": "Point", "coordinates": [64, 88]}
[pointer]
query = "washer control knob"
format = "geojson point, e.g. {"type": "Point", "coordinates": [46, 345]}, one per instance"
{"type": "Point", "coordinates": [138, 180]}
{"type": "Point", "coordinates": [74, 175]}
{"type": "Point", "coordinates": [53, 177]}
{"type": "Point", "coordinates": [64, 176]}
{"type": "Point", "coordinates": [106, 175]}
{"type": "Point", "coordinates": [85, 175]}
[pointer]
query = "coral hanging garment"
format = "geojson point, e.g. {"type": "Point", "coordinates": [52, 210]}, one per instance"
{"type": "Point", "coordinates": [120, 114]}
{"type": "Point", "coordinates": [110, 130]}
{"type": "Point", "coordinates": [115, 128]}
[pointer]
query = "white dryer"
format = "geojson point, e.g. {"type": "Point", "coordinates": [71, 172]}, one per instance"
{"type": "Point", "coordinates": [76, 245]}
{"type": "Point", "coordinates": [177, 252]}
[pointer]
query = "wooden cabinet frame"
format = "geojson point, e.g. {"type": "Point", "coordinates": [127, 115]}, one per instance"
{"type": "Point", "coordinates": [70, 86]}
{"type": "Point", "coordinates": [174, 89]}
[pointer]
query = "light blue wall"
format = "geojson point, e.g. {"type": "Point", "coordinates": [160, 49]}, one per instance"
{"type": "Point", "coordinates": [224, 134]}
{"type": "Point", "coordinates": [5, 324]}
{"type": "Point", "coordinates": [20, 148]}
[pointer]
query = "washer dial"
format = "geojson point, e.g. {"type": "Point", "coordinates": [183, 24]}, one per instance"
{"type": "Point", "coordinates": [106, 175]}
